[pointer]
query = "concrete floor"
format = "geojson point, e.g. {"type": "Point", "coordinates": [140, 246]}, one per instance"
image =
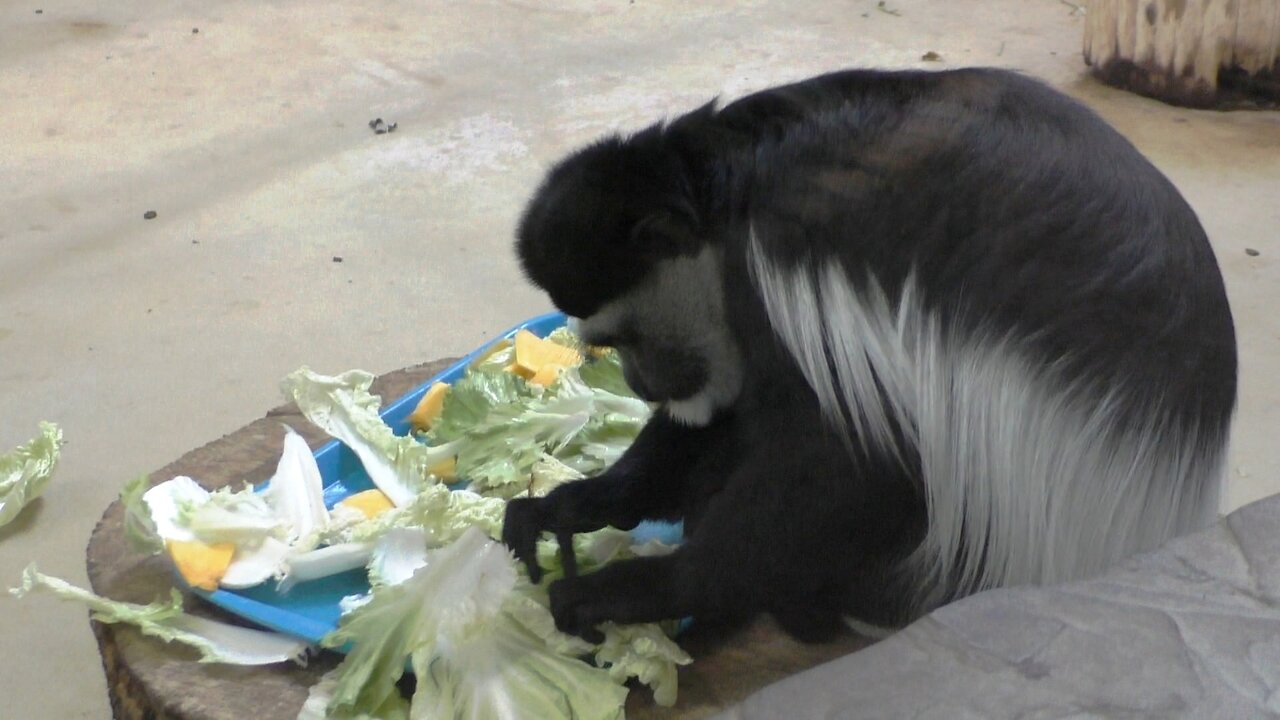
{"type": "Point", "coordinates": [249, 139]}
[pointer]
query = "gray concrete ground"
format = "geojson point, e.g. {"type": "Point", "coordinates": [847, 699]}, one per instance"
{"type": "Point", "coordinates": [249, 139]}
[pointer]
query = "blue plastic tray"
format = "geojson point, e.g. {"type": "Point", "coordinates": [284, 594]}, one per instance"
{"type": "Point", "coordinates": [310, 610]}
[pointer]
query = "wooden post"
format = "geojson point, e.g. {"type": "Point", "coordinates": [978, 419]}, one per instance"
{"type": "Point", "coordinates": [1199, 53]}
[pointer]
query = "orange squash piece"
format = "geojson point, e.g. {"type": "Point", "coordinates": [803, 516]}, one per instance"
{"type": "Point", "coordinates": [546, 374]}
{"type": "Point", "coordinates": [429, 407]}
{"type": "Point", "coordinates": [370, 502]}
{"type": "Point", "coordinates": [533, 352]}
{"type": "Point", "coordinates": [201, 565]}
{"type": "Point", "coordinates": [445, 470]}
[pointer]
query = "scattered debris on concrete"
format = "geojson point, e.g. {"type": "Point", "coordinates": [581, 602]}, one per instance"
{"type": "Point", "coordinates": [931, 56]}
{"type": "Point", "coordinates": [337, 258]}
{"type": "Point", "coordinates": [1251, 252]}
{"type": "Point", "coordinates": [887, 10]}
{"type": "Point", "coordinates": [149, 215]}
{"type": "Point", "coordinates": [1076, 9]}
{"type": "Point", "coordinates": [382, 128]}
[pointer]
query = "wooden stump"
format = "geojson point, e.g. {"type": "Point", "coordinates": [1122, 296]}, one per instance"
{"type": "Point", "coordinates": [148, 680]}
{"type": "Point", "coordinates": [1221, 54]}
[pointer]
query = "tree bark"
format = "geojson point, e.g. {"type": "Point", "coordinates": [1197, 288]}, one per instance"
{"type": "Point", "coordinates": [1198, 53]}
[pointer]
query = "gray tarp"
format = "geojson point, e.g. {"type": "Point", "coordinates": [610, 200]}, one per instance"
{"type": "Point", "coordinates": [1191, 631]}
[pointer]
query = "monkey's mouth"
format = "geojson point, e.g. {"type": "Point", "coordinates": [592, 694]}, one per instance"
{"type": "Point", "coordinates": [638, 385]}
{"type": "Point", "coordinates": [681, 379]}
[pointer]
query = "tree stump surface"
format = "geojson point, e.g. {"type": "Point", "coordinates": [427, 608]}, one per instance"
{"type": "Point", "coordinates": [149, 680]}
{"type": "Point", "coordinates": [1222, 54]}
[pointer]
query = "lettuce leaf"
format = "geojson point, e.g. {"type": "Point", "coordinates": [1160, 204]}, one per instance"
{"type": "Point", "coordinates": [394, 621]}
{"type": "Point", "coordinates": [442, 514]}
{"type": "Point", "coordinates": [507, 672]}
{"type": "Point", "coordinates": [323, 562]}
{"type": "Point", "coordinates": [582, 427]}
{"type": "Point", "coordinates": [592, 550]}
{"type": "Point", "coordinates": [548, 473]}
{"type": "Point", "coordinates": [233, 516]}
{"type": "Point", "coordinates": [296, 493]}
{"type": "Point", "coordinates": [320, 696]}
{"type": "Point", "coordinates": [397, 556]}
{"type": "Point", "coordinates": [497, 356]}
{"type": "Point", "coordinates": [25, 472]}
{"type": "Point", "coordinates": [461, 620]}
{"type": "Point", "coordinates": [215, 641]}
{"type": "Point", "coordinates": [473, 397]}
{"type": "Point", "coordinates": [645, 653]}
{"type": "Point", "coordinates": [170, 505]}
{"type": "Point", "coordinates": [139, 528]}
{"type": "Point", "coordinates": [511, 437]}
{"type": "Point", "coordinates": [568, 338]}
{"type": "Point", "coordinates": [253, 565]}
{"type": "Point", "coordinates": [605, 373]}
{"type": "Point", "coordinates": [343, 407]}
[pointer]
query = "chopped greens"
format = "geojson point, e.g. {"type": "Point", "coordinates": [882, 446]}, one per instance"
{"type": "Point", "coordinates": [343, 407]}
{"type": "Point", "coordinates": [215, 641]}
{"type": "Point", "coordinates": [25, 472]}
{"type": "Point", "coordinates": [459, 618]}
{"type": "Point", "coordinates": [445, 598]}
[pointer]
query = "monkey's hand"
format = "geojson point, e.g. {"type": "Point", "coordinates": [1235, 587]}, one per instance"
{"type": "Point", "coordinates": [628, 591]}
{"type": "Point", "coordinates": [526, 519]}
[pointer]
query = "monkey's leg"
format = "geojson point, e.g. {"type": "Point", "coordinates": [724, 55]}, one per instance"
{"type": "Point", "coordinates": [645, 483]}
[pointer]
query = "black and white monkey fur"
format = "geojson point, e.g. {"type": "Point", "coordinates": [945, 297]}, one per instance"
{"type": "Point", "coordinates": [913, 335]}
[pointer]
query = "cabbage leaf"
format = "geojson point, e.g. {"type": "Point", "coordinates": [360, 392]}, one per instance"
{"type": "Point", "coordinates": [215, 641]}
{"type": "Point", "coordinates": [343, 407]}
{"type": "Point", "coordinates": [25, 472]}
{"type": "Point", "coordinates": [460, 620]}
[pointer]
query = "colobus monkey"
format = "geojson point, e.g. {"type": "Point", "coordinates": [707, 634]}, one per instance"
{"type": "Point", "coordinates": [912, 335]}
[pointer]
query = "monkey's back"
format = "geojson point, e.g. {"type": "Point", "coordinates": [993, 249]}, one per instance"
{"type": "Point", "coordinates": [1015, 208]}
{"type": "Point", "coordinates": [1004, 252]}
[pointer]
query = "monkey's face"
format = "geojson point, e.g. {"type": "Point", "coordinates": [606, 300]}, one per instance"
{"type": "Point", "coordinates": [670, 333]}
{"type": "Point", "coordinates": [612, 238]}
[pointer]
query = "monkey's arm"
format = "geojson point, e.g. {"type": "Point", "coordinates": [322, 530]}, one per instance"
{"type": "Point", "coordinates": [645, 483]}
{"type": "Point", "coordinates": [784, 535]}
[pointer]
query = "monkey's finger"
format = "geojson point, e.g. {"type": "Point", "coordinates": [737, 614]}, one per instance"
{"type": "Point", "coordinates": [535, 570]}
{"type": "Point", "coordinates": [526, 551]}
{"type": "Point", "coordinates": [520, 530]}
{"type": "Point", "coordinates": [568, 559]}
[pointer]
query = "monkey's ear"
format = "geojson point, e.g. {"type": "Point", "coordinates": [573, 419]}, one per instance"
{"type": "Point", "coordinates": [665, 234]}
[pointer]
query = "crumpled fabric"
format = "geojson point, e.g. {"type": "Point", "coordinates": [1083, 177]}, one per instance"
{"type": "Point", "coordinates": [1191, 630]}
